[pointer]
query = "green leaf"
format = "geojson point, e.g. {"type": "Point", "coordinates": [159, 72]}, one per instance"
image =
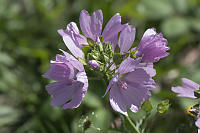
{"type": "Point", "coordinates": [147, 106]}
{"type": "Point", "coordinates": [163, 106]}
{"type": "Point", "coordinates": [82, 61]}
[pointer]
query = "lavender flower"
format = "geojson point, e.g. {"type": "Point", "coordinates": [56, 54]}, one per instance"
{"type": "Point", "coordinates": [93, 64]}
{"type": "Point", "coordinates": [130, 86]}
{"type": "Point", "coordinates": [71, 81]}
{"type": "Point", "coordinates": [187, 90]}
{"type": "Point", "coordinates": [153, 46]}
{"type": "Point", "coordinates": [91, 26]}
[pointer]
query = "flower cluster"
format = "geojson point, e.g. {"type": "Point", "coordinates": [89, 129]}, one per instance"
{"type": "Point", "coordinates": [110, 52]}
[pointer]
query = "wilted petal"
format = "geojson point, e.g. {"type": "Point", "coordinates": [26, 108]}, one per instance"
{"type": "Point", "coordinates": [128, 65]}
{"type": "Point", "coordinates": [112, 28]}
{"type": "Point", "coordinates": [126, 38]}
{"type": "Point", "coordinates": [187, 90]}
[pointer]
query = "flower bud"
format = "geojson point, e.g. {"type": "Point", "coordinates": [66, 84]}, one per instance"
{"type": "Point", "coordinates": [93, 64]}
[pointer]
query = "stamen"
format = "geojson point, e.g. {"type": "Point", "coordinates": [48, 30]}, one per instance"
{"type": "Point", "coordinates": [123, 85]}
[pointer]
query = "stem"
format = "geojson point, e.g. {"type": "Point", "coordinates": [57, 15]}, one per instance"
{"type": "Point", "coordinates": [132, 125]}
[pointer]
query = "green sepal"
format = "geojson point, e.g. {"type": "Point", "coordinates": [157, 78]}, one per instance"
{"type": "Point", "coordinates": [117, 58]}
{"type": "Point", "coordinates": [86, 49]}
{"type": "Point", "coordinates": [90, 42]}
{"type": "Point", "coordinates": [147, 106]}
{"type": "Point", "coordinates": [101, 38]}
{"type": "Point", "coordinates": [163, 106]}
{"type": "Point", "coordinates": [82, 61]}
{"type": "Point", "coordinates": [117, 49]}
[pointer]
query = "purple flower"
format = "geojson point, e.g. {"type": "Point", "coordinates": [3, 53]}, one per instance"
{"type": "Point", "coordinates": [153, 46]}
{"type": "Point", "coordinates": [71, 81]}
{"type": "Point", "coordinates": [93, 64]}
{"type": "Point", "coordinates": [130, 86]}
{"type": "Point", "coordinates": [187, 90]}
{"type": "Point", "coordinates": [91, 26]}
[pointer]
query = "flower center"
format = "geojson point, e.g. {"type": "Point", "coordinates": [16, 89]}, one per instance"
{"type": "Point", "coordinates": [123, 85]}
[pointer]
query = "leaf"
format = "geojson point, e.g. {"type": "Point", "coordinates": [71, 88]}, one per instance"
{"type": "Point", "coordinates": [147, 106]}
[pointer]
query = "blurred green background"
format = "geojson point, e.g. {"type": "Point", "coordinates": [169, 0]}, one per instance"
{"type": "Point", "coordinates": [29, 40]}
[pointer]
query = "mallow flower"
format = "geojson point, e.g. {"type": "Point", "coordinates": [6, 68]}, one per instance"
{"type": "Point", "coordinates": [153, 46]}
{"type": "Point", "coordinates": [91, 27]}
{"type": "Point", "coordinates": [130, 86]}
{"type": "Point", "coordinates": [70, 84]}
{"type": "Point", "coordinates": [187, 90]}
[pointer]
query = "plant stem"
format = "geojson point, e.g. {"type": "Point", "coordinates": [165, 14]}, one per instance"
{"type": "Point", "coordinates": [132, 125]}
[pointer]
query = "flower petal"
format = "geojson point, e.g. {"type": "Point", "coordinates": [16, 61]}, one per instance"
{"type": "Point", "coordinates": [76, 51]}
{"type": "Point", "coordinates": [153, 46]}
{"type": "Point", "coordinates": [126, 38]}
{"type": "Point", "coordinates": [140, 76]}
{"type": "Point", "coordinates": [128, 65]}
{"type": "Point", "coordinates": [148, 67]}
{"type": "Point", "coordinates": [63, 91]}
{"type": "Point", "coordinates": [187, 90]}
{"type": "Point", "coordinates": [73, 61]}
{"type": "Point", "coordinates": [59, 71]}
{"type": "Point", "coordinates": [112, 28]}
{"type": "Point", "coordinates": [85, 24]}
{"type": "Point", "coordinates": [116, 100]}
{"type": "Point", "coordinates": [77, 37]}
{"type": "Point", "coordinates": [96, 23]}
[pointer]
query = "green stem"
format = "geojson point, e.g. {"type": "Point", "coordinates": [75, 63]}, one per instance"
{"type": "Point", "coordinates": [132, 125]}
